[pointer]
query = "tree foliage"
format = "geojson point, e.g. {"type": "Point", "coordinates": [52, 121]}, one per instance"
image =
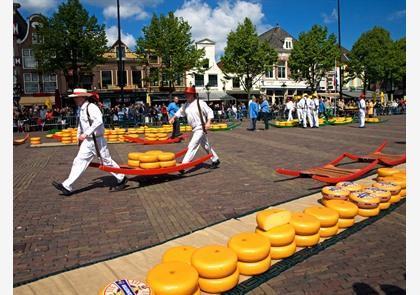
{"type": "Point", "coordinates": [246, 56]}
{"type": "Point", "coordinates": [313, 54]}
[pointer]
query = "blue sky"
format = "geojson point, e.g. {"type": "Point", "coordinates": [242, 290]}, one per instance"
{"type": "Point", "coordinates": [215, 19]}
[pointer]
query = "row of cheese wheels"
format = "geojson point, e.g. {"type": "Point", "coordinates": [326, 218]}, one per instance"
{"type": "Point", "coordinates": [219, 126]}
{"type": "Point", "coordinates": [372, 120]}
{"type": "Point", "coordinates": [151, 159]}
{"type": "Point", "coordinates": [35, 140]}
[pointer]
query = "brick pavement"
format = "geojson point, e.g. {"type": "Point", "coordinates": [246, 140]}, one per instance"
{"type": "Point", "coordinates": [53, 233]}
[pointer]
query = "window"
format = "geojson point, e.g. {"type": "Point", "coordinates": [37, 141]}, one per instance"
{"type": "Point", "coordinates": [29, 61]}
{"type": "Point", "coordinates": [199, 80]}
{"type": "Point", "coordinates": [288, 43]}
{"type": "Point", "coordinates": [106, 78]}
{"type": "Point", "coordinates": [36, 38]}
{"type": "Point", "coordinates": [50, 82]}
{"type": "Point", "coordinates": [213, 80]}
{"type": "Point", "coordinates": [179, 80]}
{"type": "Point", "coordinates": [269, 73]}
{"type": "Point", "coordinates": [122, 52]}
{"type": "Point", "coordinates": [236, 83]}
{"type": "Point", "coordinates": [31, 83]}
{"type": "Point", "coordinates": [124, 78]}
{"type": "Point", "coordinates": [282, 71]}
{"type": "Point", "coordinates": [136, 77]}
{"type": "Point", "coordinates": [206, 63]}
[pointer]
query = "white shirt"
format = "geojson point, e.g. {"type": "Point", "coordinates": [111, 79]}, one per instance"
{"type": "Point", "coordinates": [316, 103]}
{"type": "Point", "coordinates": [362, 104]}
{"type": "Point", "coordinates": [190, 110]}
{"type": "Point", "coordinates": [289, 105]}
{"type": "Point", "coordinates": [96, 119]}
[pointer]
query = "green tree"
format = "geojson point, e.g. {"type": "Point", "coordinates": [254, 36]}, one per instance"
{"type": "Point", "coordinates": [73, 42]}
{"type": "Point", "coordinates": [246, 56]}
{"type": "Point", "coordinates": [169, 37]}
{"type": "Point", "coordinates": [397, 62]}
{"type": "Point", "coordinates": [313, 54]}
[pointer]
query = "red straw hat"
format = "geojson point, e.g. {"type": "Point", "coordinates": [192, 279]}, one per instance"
{"type": "Point", "coordinates": [78, 92]}
{"type": "Point", "coordinates": [190, 90]}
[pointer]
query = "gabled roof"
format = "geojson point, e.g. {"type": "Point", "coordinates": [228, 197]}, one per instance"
{"type": "Point", "coordinates": [206, 41]}
{"type": "Point", "coordinates": [275, 37]}
{"type": "Point", "coordinates": [111, 53]}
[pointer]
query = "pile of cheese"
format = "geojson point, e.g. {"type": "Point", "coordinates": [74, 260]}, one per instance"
{"type": "Point", "coordinates": [35, 140]}
{"type": "Point", "coordinates": [372, 120]}
{"type": "Point", "coordinates": [292, 123]}
{"type": "Point", "coordinates": [219, 126]}
{"type": "Point", "coordinates": [185, 128]}
{"type": "Point", "coordinates": [151, 159]}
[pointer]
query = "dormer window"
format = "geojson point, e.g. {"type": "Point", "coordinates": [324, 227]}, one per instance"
{"type": "Point", "coordinates": [288, 43]}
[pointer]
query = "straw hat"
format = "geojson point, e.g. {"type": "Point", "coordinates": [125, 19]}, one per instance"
{"type": "Point", "coordinates": [80, 92]}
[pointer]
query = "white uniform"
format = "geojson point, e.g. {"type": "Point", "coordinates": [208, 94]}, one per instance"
{"type": "Point", "coordinates": [87, 149]}
{"type": "Point", "coordinates": [190, 110]}
{"type": "Point", "coordinates": [315, 109]}
{"type": "Point", "coordinates": [299, 110]}
{"type": "Point", "coordinates": [306, 112]}
{"type": "Point", "coordinates": [290, 107]}
{"type": "Point", "coordinates": [362, 112]}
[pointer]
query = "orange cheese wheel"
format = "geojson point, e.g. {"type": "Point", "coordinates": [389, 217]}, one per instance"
{"type": "Point", "coordinates": [155, 165]}
{"type": "Point", "coordinates": [36, 142]}
{"type": "Point", "coordinates": [250, 247]}
{"type": "Point", "coordinates": [166, 157]}
{"type": "Point", "coordinates": [393, 188]}
{"type": "Point", "coordinates": [403, 193]}
{"type": "Point", "coordinates": [66, 141]}
{"type": "Point", "coordinates": [387, 171]}
{"type": "Point", "coordinates": [219, 285]}
{"type": "Point", "coordinates": [334, 193]}
{"type": "Point", "coordinates": [254, 268]}
{"type": "Point", "coordinates": [150, 138]}
{"type": "Point", "coordinates": [395, 198]}
{"type": "Point", "coordinates": [350, 186]}
{"type": "Point", "coordinates": [345, 209]}
{"type": "Point", "coordinates": [364, 200]}
{"type": "Point", "coordinates": [369, 212]}
{"type": "Point", "coordinates": [162, 135]}
{"type": "Point", "coordinates": [305, 224]}
{"type": "Point", "coordinates": [148, 158]}
{"type": "Point", "coordinates": [134, 155]}
{"type": "Point", "coordinates": [345, 222]}
{"type": "Point", "coordinates": [307, 241]}
{"type": "Point", "coordinates": [270, 218]}
{"type": "Point", "coordinates": [327, 217]}
{"type": "Point", "coordinates": [65, 138]}
{"type": "Point", "coordinates": [280, 235]}
{"type": "Point", "coordinates": [154, 152]}
{"type": "Point", "coordinates": [35, 138]}
{"type": "Point", "coordinates": [400, 175]}
{"type": "Point", "coordinates": [180, 253]}
{"type": "Point", "coordinates": [214, 262]}
{"type": "Point", "coordinates": [167, 164]}
{"type": "Point", "coordinates": [283, 251]}
{"type": "Point", "coordinates": [392, 179]}
{"type": "Point", "coordinates": [115, 288]}
{"type": "Point", "coordinates": [175, 278]}
{"type": "Point", "coordinates": [383, 195]}
{"type": "Point", "coordinates": [133, 163]}
{"type": "Point", "coordinates": [384, 205]}
{"type": "Point", "coordinates": [325, 232]}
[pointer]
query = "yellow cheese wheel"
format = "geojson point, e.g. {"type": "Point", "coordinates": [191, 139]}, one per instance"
{"type": "Point", "coordinates": [400, 175]}
{"type": "Point", "coordinates": [49, 135]}
{"type": "Point", "coordinates": [134, 155]}
{"type": "Point", "coordinates": [384, 205]}
{"type": "Point", "coordinates": [345, 209]}
{"type": "Point", "coordinates": [166, 164]}
{"type": "Point", "coordinates": [162, 135]}
{"type": "Point", "coordinates": [166, 156]}
{"type": "Point", "coordinates": [383, 195]}
{"type": "Point", "coordinates": [280, 235]}
{"type": "Point", "coordinates": [112, 136]}
{"type": "Point", "coordinates": [283, 251]}
{"type": "Point", "coordinates": [325, 232]}
{"type": "Point", "coordinates": [148, 158]}
{"type": "Point", "coordinates": [334, 193]}
{"type": "Point", "coordinates": [35, 138]}
{"type": "Point", "coordinates": [270, 218]}
{"type": "Point", "coordinates": [133, 163]}
{"type": "Point", "coordinates": [214, 261]}
{"type": "Point", "coordinates": [345, 222]}
{"type": "Point", "coordinates": [391, 187]}
{"type": "Point", "coordinates": [66, 141]}
{"type": "Point", "coordinates": [327, 217]}
{"type": "Point", "coordinates": [114, 288]}
{"type": "Point", "coordinates": [150, 138]}
{"type": "Point", "coordinates": [403, 193]}
{"type": "Point", "coordinates": [113, 140]}
{"type": "Point", "coordinates": [219, 285]}
{"type": "Point", "coordinates": [395, 180]}
{"type": "Point", "coordinates": [250, 247]}
{"type": "Point", "coordinates": [36, 142]}
{"type": "Point", "coordinates": [154, 165]}
{"type": "Point", "coordinates": [395, 198]}
{"type": "Point", "coordinates": [154, 152]}
{"type": "Point", "coordinates": [387, 171]}
{"type": "Point", "coordinates": [369, 212]}
{"type": "Point", "coordinates": [350, 186]}
{"type": "Point", "coordinates": [305, 224]}
{"type": "Point", "coordinates": [254, 268]}
{"type": "Point", "coordinates": [180, 253]}
{"type": "Point", "coordinates": [307, 241]}
{"type": "Point", "coordinates": [173, 278]}
{"type": "Point", "coordinates": [364, 200]}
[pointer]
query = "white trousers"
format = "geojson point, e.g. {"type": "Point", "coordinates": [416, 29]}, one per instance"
{"type": "Point", "coordinates": [290, 117]}
{"type": "Point", "coordinates": [300, 115]}
{"type": "Point", "coordinates": [198, 139]}
{"type": "Point", "coordinates": [85, 155]}
{"type": "Point", "coordinates": [315, 118]}
{"type": "Point", "coordinates": [306, 117]}
{"type": "Point", "coordinates": [362, 118]}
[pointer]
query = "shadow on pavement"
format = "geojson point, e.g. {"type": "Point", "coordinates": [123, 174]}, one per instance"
{"type": "Point", "coordinates": [365, 289]}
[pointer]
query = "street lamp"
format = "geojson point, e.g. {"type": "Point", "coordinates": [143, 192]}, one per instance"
{"type": "Point", "coordinates": [208, 91]}
{"type": "Point", "coordinates": [120, 62]}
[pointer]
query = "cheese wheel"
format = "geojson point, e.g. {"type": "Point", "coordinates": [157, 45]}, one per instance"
{"type": "Point", "coordinates": [66, 141]}
{"type": "Point", "coordinates": [334, 193]}
{"type": "Point", "coordinates": [148, 158]}
{"type": "Point", "coordinates": [393, 188]}
{"type": "Point", "coordinates": [35, 138]}
{"type": "Point", "coordinates": [350, 186]}
{"type": "Point", "coordinates": [345, 222]}
{"type": "Point", "coordinates": [369, 212]}
{"type": "Point", "coordinates": [180, 253]}
{"type": "Point", "coordinates": [384, 205]}
{"type": "Point", "coordinates": [387, 171]}
{"type": "Point", "coordinates": [345, 209]}
{"type": "Point", "coordinates": [214, 262]}
{"type": "Point", "coordinates": [250, 247]}
{"type": "Point", "coordinates": [133, 163]}
{"type": "Point", "coordinates": [283, 251]}
{"type": "Point", "coordinates": [154, 152]}
{"type": "Point", "coordinates": [115, 288]}
{"type": "Point", "coordinates": [400, 175]}
{"type": "Point", "coordinates": [280, 235]}
{"type": "Point", "coordinates": [166, 156]}
{"type": "Point", "coordinates": [305, 224]}
{"type": "Point", "coordinates": [403, 193]}
{"type": "Point", "coordinates": [154, 165]}
{"type": "Point", "coordinates": [383, 195]}
{"type": "Point", "coordinates": [150, 138]}
{"type": "Point", "coordinates": [162, 135]}
{"type": "Point", "coordinates": [325, 232]}
{"type": "Point", "coordinates": [175, 278]}
{"type": "Point", "coordinates": [254, 268]}
{"type": "Point", "coordinates": [364, 200]}
{"type": "Point", "coordinates": [395, 198]}
{"type": "Point", "coordinates": [270, 218]}
{"type": "Point", "coordinates": [49, 135]}
{"type": "Point", "coordinates": [167, 164]}
{"type": "Point", "coordinates": [219, 285]}
{"type": "Point", "coordinates": [307, 241]}
{"type": "Point", "coordinates": [327, 217]}
{"type": "Point", "coordinates": [112, 136]}
{"type": "Point", "coordinates": [134, 155]}
{"type": "Point", "coordinates": [395, 180]}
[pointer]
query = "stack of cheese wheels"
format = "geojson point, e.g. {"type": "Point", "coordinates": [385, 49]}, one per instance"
{"type": "Point", "coordinates": [118, 287]}
{"type": "Point", "coordinates": [49, 135]}
{"type": "Point", "coordinates": [395, 179]}
{"type": "Point", "coordinates": [328, 219]}
{"type": "Point", "coordinates": [179, 253]}
{"type": "Point", "coordinates": [151, 136]}
{"type": "Point", "coordinates": [35, 140]}
{"type": "Point", "coordinates": [346, 211]}
{"type": "Point", "coordinates": [350, 186]}
{"type": "Point", "coordinates": [401, 175]}
{"type": "Point", "coordinates": [367, 203]}
{"type": "Point", "coordinates": [162, 136]}
{"type": "Point", "coordinates": [173, 278]}
{"type": "Point", "coordinates": [166, 160]}
{"type": "Point", "coordinates": [66, 136]}
{"type": "Point", "coordinates": [112, 137]}
{"type": "Point", "coordinates": [140, 130]}
{"type": "Point", "coordinates": [133, 159]}
{"type": "Point", "coordinates": [387, 171]}
{"type": "Point", "coordinates": [149, 159]}
{"type": "Point", "coordinates": [253, 251]}
{"type": "Point", "coordinates": [394, 189]}
{"type": "Point", "coordinates": [383, 195]}
{"type": "Point", "coordinates": [217, 267]}
{"type": "Point", "coordinates": [334, 193]}
{"type": "Point", "coordinates": [307, 229]}
{"type": "Point", "coordinates": [274, 224]}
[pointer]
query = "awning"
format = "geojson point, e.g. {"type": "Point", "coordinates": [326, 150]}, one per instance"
{"type": "Point", "coordinates": [39, 100]}
{"type": "Point", "coordinates": [215, 95]}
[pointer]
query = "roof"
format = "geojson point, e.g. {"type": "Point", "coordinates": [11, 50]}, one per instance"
{"type": "Point", "coordinates": [206, 41]}
{"type": "Point", "coordinates": [111, 53]}
{"type": "Point", "coordinates": [275, 37]}
{"type": "Point", "coordinates": [344, 54]}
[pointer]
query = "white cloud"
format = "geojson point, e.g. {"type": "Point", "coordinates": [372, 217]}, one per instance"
{"type": "Point", "coordinates": [216, 23]}
{"type": "Point", "coordinates": [333, 17]}
{"type": "Point", "coordinates": [396, 15]}
{"type": "Point", "coordinates": [128, 8]}
{"type": "Point", "coordinates": [112, 36]}
{"type": "Point", "coordinates": [34, 6]}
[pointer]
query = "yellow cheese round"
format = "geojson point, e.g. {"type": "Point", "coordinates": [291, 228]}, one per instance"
{"type": "Point", "coordinates": [307, 241]}
{"type": "Point", "coordinates": [112, 136]}
{"type": "Point", "coordinates": [180, 253]}
{"type": "Point", "coordinates": [162, 138]}
{"type": "Point", "coordinates": [137, 287]}
{"type": "Point", "coordinates": [283, 251]}
{"type": "Point", "coordinates": [325, 232]}
{"type": "Point", "coordinates": [49, 135]}
{"type": "Point", "coordinates": [334, 193]}
{"type": "Point", "coordinates": [166, 156]}
{"type": "Point", "coordinates": [162, 135]}
{"type": "Point", "coordinates": [270, 218]}
{"type": "Point", "coordinates": [395, 198]}
{"type": "Point", "coordinates": [173, 278]}
{"type": "Point", "coordinates": [395, 180]}
{"type": "Point", "coordinates": [219, 285]}
{"type": "Point", "coordinates": [35, 138]}
{"type": "Point", "coordinates": [254, 268]}
{"type": "Point", "coordinates": [383, 195]}
{"type": "Point", "coordinates": [305, 224]}
{"type": "Point", "coordinates": [133, 163]}
{"type": "Point", "coordinates": [36, 142]}
{"type": "Point", "coordinates": [167, 164]}
{"type": "Point", "coordinates": [369, 212]}
{"type": "Point", "coordinates": [350, 186]}
{"type": "Point", "coordinates": [384, 205]}
{"type": "Point", "coordinates": [393, 188]}
{"type": "Point", "coordinates": [345, 209]}
{"type": "Point", "coordinates": [150, 138]}
{"type": "Point", "coordinates": [250, 247]}
{"type": "Point", "coordinates": [280, 235]}
{"type": "Point", "coordinates": [400, 175]}
{"type": "Point", "coordinates": [364, 200]}
{"type": "Point", "coordinates": [345, 222]}
{"type": "Point", "coordinates": [403, 193]}
{"type": "Point", "coordinates": [66, 141]}
{"type": "Point", "coordinates": [387, 171]}
{"type": "Point", "coordinates": [214, 262]}
{"type": "Point", "coordinates": [154, 152]}
{"type": "Point", "coordinates": [154, 165]}
{"type": "Point", "coordinates": [148, 158]}
{"type": "Point", "coordinates": [134, 155]}
{"type": "Point", "coordinates": [327, 217]}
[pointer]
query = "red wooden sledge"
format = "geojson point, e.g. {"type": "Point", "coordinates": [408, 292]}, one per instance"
{"type": "Point", "coordinates": [20, 141]}
{"type": "Point", "coordinates": [152, 142]}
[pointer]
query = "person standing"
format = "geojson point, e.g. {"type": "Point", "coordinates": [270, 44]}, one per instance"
{"type": "Point", "coordinates": [315, 110]}
{"type": "Point", "coordinates": [299, 109]}
{"type": "Point", "coordinates": [253, 114]}
{"type": "Point", "coordinates": [362, 110]}
{"type": "Point", "coordinates": [306, 117]}
{"type": "Point", "coordinates": [290, 107]}
{"type": "Point", "coordinates": [90, 134]}
{"type": "Point", "coordinates": [199, 116]}
{"type": "Point", "coordinates": [173, 107]}
{"type": "Point", "coordinates": [265, 111]}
